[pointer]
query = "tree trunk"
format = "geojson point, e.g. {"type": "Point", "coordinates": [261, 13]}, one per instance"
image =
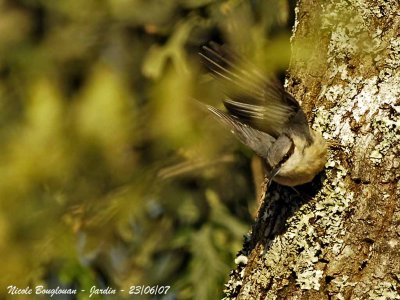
{"type": "Point", "coordinates": [338, 237]}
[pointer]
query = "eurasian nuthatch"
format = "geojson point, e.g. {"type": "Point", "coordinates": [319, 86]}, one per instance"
{"type": "Point", "coordinates": [263, 116]}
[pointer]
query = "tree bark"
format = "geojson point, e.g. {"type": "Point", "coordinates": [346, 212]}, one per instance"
{"type": "Point", "coordinates": [338, 237]}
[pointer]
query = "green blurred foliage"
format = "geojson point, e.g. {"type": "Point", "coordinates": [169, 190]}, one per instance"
{"type": "Point", "coordinates": [109, 173]}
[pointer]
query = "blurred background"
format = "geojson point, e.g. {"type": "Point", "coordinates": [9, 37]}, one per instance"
{"type": "Point", "coordinates": [110, 175]}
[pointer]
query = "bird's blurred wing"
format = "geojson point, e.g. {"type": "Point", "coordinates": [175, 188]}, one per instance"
{"type": "Point", "coordinates": [252, 97]}
{"type": "Point", "coordinates": [255, 139]}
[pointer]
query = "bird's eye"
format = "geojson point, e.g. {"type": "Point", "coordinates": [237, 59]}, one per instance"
{"type": "Point", "coordinates": [286, 157]}
{"type": "Point", "coordinates": [288, 153]}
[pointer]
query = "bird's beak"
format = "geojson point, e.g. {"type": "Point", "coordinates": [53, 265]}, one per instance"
{"type": "Point", "coordinates": [272, 174]}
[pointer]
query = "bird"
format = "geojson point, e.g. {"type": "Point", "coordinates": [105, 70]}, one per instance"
{"type": "Point", "coordinates": [265, 118]}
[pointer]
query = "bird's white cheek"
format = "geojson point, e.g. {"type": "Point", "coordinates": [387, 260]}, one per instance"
{"type": "Point", "coordinates": [289, 167]}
